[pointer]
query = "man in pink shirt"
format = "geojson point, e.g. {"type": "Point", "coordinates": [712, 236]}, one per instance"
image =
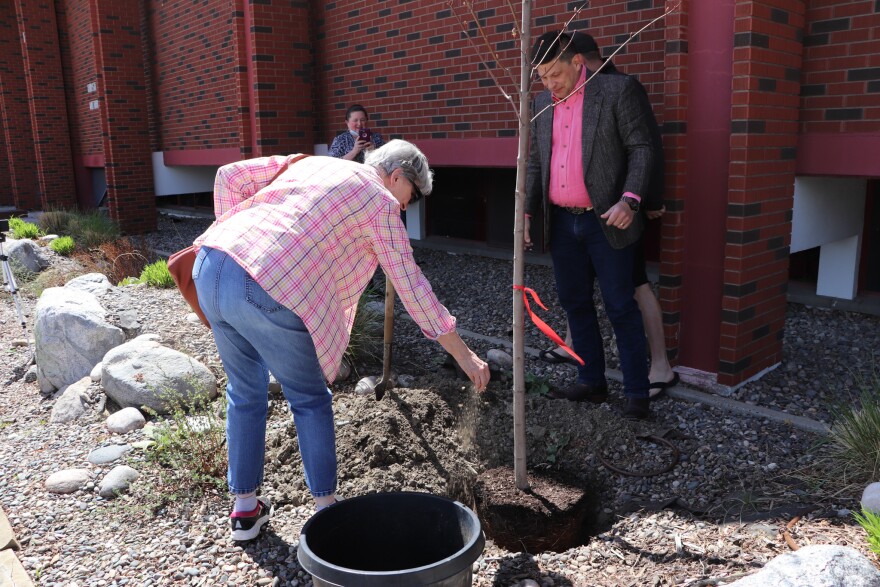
{"type": "Point", "coordinates": [279, 275]}
{"type": "Point", "coordinates": [590, 159]}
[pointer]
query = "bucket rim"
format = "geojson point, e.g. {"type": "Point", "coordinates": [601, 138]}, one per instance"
{"type": "Point", "coordinates": [470, 552]}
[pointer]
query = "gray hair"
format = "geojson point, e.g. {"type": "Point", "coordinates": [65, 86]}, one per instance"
{"type": "Point", "coordinates": [399, 154]}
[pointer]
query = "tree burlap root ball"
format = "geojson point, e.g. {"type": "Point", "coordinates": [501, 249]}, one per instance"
{"type": "Point", "coordinates": [553, 515]}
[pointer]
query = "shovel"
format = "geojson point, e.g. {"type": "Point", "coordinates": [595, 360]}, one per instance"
{"type": "Point", "coordinates": [385, 383]}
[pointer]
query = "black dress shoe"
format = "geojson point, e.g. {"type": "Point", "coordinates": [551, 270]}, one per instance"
{"type": "Point", "coordinates": [581, 392]}
{"type": "Point", "coordinates": [637, 408]}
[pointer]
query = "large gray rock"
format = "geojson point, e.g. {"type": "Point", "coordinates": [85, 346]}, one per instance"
{"type": "Point", "coordinates": [71, 336]}
{"type": "Point", "coordinates": [72, 403]}
{"type": "Point", "coordinates": [25, 253]}
{"type": "Point", "coordinates": [871, 498]}
{"type": "Point", "coordinates": [145, 373]}
{"type": "Point", "coordinates": [96, 284]}
{"type": "Point", "coordinates": [819, 565]}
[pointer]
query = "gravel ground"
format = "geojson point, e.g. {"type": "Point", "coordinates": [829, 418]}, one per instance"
{"type": "Point", "coordinates": [706, 518]}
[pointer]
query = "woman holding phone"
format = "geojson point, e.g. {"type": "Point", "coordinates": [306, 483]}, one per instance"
{"type": "Point", "coordinates": [359, 138]}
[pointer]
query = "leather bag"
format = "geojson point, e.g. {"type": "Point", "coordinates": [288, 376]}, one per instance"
{"type": "Point", "coordinates": [180, 265]}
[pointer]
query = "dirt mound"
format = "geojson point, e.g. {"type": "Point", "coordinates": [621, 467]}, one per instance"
{"type": "Point", "coordinates": [440, 438]}
{"type": "Point", "coordinates": [407, 442]}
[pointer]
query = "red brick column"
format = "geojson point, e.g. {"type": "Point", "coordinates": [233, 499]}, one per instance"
{"type": "Point", "coordinates": [19, 159]}
{"type": "Point", "coordinates": [675, 102]}
{"type": "Point", "coordinates": [48, 107]}
{"type": "Point", "coordinates": [17, 155]}
{"type": "Point", "coordinates": [116, 25]}
{"type": "Point", "coordinates": [281, 76]}
{"type": "Point", "coordinates": [240, 21]}
{"type": "Point", "coordinates": [764, 124]}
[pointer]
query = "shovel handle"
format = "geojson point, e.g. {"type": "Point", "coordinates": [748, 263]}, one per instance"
{"type": "Point", "coordinates": [389, 316]}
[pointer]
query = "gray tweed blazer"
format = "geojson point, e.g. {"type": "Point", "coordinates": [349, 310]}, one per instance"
{"type": "Point", "coordinates": [616, 148]}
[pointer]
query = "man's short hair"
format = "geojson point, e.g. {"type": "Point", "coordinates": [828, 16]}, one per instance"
{"type": "Point", "coordinates": [583, 43]}
{"type": "Point", "coordinates": [551, 45]}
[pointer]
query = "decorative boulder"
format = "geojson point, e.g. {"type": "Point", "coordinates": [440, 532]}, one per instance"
{"type": "Point", "coordinates": [871, 498]}
{"type": "Point", "coordinates": [817, 565]}
{"type": "Point", "coordinates": [71, 336]}
{"type": "Point", "coordinates": [145, 373]}
{"type": "Point", "coordinates": [96, 284]}
{"type": "Point", "coordinates": [26, 253]}
{"type": "Point", "coordinates": [72, 403]}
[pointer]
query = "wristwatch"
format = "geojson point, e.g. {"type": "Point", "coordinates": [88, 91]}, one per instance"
{"type": "Point", "coordinates": [631, 202]}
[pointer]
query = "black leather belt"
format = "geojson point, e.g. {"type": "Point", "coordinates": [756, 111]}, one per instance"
{"type": "Point", "coordinates": [575, 210]}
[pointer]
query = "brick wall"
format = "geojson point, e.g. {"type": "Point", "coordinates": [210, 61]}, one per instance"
{"type": "Point", "coordinates": [281, 63]}
{"type": "Point", "coordinates": [840, 89]}
{"type": "Point", "coordinates": [412, 66]}
{"type": "Point", "coordinates": [194, 64]}
{"type": "Point", "coordinates": [124, 117]}
{"type": "Point", "coordinates": [45, 89]}
{"type": "Point", "coordinates": [764, 119]}
{"type": "Point", "coordinates": [17, 160]}
{"type": "Point", "coordinates": [78, 61]}
{"type": "Point", "coordinates": [674, 125]}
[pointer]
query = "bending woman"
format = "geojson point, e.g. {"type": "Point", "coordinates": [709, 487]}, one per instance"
{"type": "Point", "coordinates": [279, 275]}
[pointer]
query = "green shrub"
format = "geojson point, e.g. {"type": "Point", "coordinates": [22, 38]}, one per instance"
{"type": "Point", "coordinates": [871, 523]}
{"type": "Point", "coordinates": [92, 229]}
{"type": "Point", "coordinates": [365, 342]}
{"type": "Point", "coordinates": [56, 221]}
{"type": "Point", "coordinates": [855, 433]}
{"type": "Point", "coordinates": [129, 281]}
{"type": "Point", "coordinates": [189, 443]}
{"type": "Point", "coordinates": [21, 229]}
{"type": "Point", "coordinates": [157, 274]}
{"type": "Point", "coordinates": [63, 245]}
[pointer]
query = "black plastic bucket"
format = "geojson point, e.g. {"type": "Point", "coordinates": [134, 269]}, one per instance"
{"type": "Point", "coordinates": [392, 540]}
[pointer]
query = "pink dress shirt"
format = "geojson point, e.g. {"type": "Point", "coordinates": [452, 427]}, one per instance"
{"type": "Point", "coordinates": [313, 238]}
{"type": "Point", "coordinates": [566, 155]}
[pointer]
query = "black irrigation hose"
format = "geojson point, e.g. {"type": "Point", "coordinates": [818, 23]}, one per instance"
{"type": "Point", "coordinates": [675, 454]}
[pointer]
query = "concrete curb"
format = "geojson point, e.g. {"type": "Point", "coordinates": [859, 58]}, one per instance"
{"type": "Point", "coordinates": [12, 573]}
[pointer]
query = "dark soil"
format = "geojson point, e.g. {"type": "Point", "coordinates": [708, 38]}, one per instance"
{"type": "Point", "coordinates": [444, 439]}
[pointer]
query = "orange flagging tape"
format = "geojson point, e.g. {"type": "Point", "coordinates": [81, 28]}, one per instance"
{"type": "Point", "coordinates": [543, 326]}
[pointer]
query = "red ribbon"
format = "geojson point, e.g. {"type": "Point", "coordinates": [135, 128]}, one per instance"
{"type": "Point", "coordinates": [542, 326]}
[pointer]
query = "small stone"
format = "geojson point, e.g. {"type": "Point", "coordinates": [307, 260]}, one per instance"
{"type": "Point", "coordinates": [67, 481]}
{"type": "Point", "coordinates": [108, 454]}
{"type": "Point", "coordinates": [117, 481]}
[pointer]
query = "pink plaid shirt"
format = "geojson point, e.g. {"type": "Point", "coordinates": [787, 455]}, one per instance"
{"type": "Point", "coordinates": [313, 238]}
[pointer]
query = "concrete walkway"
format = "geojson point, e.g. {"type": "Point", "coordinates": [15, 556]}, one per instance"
{"type": "Point", "coordinates": [12, 574]}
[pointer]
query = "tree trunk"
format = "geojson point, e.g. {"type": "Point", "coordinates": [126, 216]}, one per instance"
{"type": "Point", "coordinates": [519, 389]}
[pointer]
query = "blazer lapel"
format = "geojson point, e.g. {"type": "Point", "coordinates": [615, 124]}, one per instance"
{"type": "Point", "coordinates": [592, 108]}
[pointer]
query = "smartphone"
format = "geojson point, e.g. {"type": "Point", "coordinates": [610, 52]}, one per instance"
{"type": "Point", "coordinates": [365, 134]}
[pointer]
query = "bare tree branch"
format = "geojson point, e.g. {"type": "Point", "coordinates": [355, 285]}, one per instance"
{"type": "Point", "coordinates": [492, 52]}
{"type": "Point", "coordinates": [485, 65]}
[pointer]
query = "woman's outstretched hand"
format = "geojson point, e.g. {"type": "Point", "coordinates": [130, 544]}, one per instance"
{"type": "Point", "coordinates": [474, 367]}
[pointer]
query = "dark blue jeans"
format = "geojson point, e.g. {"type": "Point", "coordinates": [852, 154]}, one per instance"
{"type": "Point", "coordinates": [581, 253]}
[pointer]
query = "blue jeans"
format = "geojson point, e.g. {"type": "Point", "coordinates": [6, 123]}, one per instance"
{"type": "Point", "coordinates": [255, 334]}
{"type": "Point", "coordinates": [581, 253]}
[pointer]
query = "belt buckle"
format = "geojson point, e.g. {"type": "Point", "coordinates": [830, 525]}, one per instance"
{"type": "Point", "coordinates": [577, 210]}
